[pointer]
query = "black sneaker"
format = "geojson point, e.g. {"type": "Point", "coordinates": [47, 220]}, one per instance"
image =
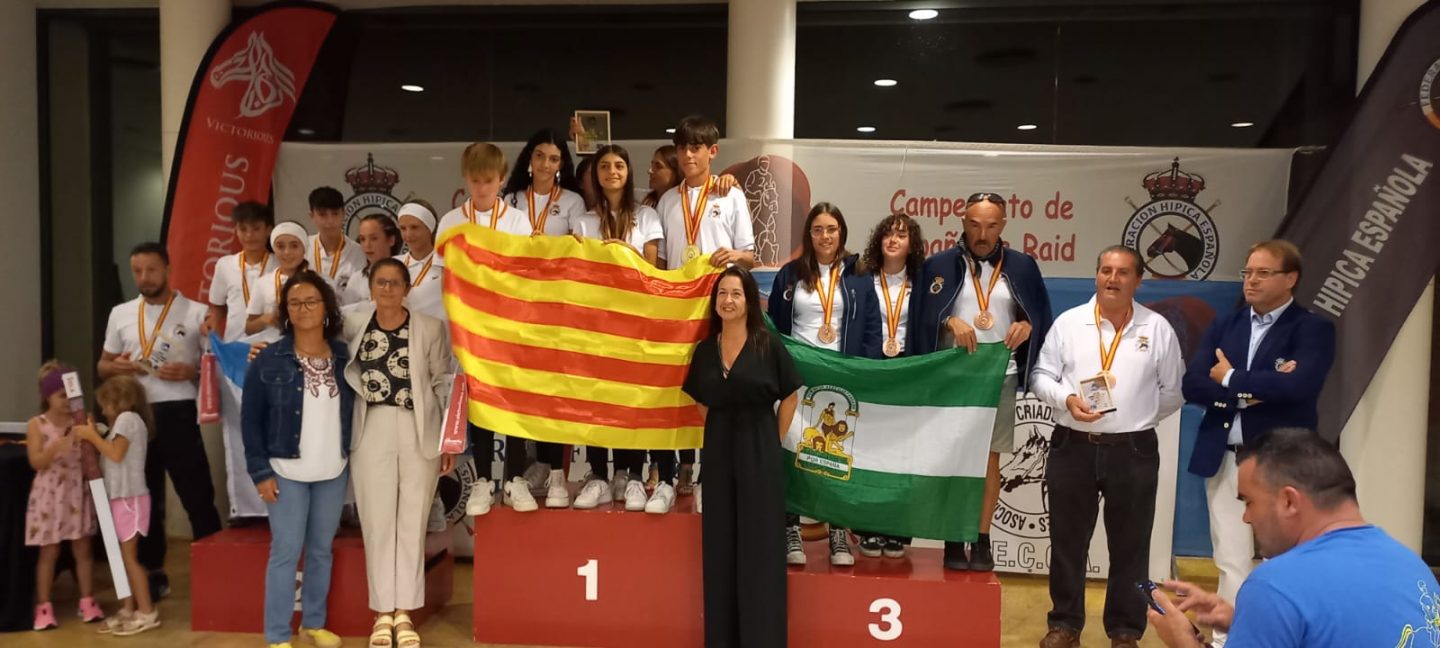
{"type": "Point", "coordinates": [871, 546]}
{"type": "Point", "coordinates": [894, 548]}
{"type": "Point", "coordinates": [955, 557]}
{"type": "Point", "coordinates": [159, 585]}
{"type": "Point", "coordinates": [981, 560]}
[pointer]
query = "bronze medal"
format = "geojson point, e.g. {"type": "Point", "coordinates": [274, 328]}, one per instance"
{"type": "Point", "coordinates": [827, 334]}
{"type": "Point", "coordinates": [984, 320]}
{"type": "Point", "coordinates": [892, 347]}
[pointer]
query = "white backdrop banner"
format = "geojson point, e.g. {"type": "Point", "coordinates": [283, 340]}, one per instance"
{"type": "Point", "coordinates": [1192, 213]}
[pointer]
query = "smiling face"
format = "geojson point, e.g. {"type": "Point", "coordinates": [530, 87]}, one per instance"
{"type": "Point", "coordinates": [695, 160]}
{"type": "Point", "coordinates": [612, 172]}
{"type": "Point", "coordinates": [305, 307]}
{"type": "Point", "coordinates": [545, 161]}
{"type": "Point", "coordinates": [825, 237]}
{"type": "Point", "coordinates": [289, 252]}
{"type": "Point", "coordinates": [730, 300]}
{"type": "Point", "coordinates": [417, 236]}
{"type": "Point", "coordinates": [896, 244]}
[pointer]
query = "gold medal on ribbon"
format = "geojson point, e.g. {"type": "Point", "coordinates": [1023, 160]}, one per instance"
{"type": "Point", "coordinates": [334, 260]}
{"type": "Point", "coordinates": [497, 210]}
{"type": "Point", "coordinates": [892, 313]}
{"type": "Point", "coordinates": [691, 253]}
{"type": "Point", "coordinates": [245, 280]}
{"type": "Point", "coordinates": [693, 214]}
{"type": "Point", "coordinates": [423, 271]}
{"type": "Point", "coordinates": [1107, 356]}
{"type": "Point", "coordinates": [985, 319]}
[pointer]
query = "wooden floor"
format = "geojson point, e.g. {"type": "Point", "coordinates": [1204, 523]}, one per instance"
{"type": "Point", "coordinates": [1025, 600]}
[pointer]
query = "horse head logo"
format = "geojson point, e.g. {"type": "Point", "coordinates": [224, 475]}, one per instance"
{"type": "Point", "coordinates": [1189, 247]}
{"type": "Point", "coordinates": [271, 83]}
{"type": "Point", "coordinates": [1027, 466]}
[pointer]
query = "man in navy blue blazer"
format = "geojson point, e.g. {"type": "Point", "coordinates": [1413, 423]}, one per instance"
{"type": "Point", "coordinates": [1257, 369]}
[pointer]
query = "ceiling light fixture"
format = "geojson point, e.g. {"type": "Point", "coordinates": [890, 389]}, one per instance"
{"type": "Point", "coordinates": [1242, 124]}
{"type": "Point", "coordinates": [1026, 127]}
{"type": "Point", "coordinates": [923, 14]}
{"type": "Point", "coordinates": [410, 87]}
{"type": "Point", "coordinates": [865, 129]}
{"type": "Point", "coordinates": [886, 83]}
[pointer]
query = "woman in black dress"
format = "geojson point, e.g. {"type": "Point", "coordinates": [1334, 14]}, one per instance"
{"type": "Point", "coordinates": [737, 374]}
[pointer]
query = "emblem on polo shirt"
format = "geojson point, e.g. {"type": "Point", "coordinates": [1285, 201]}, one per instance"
{"type": "Point", "coordinates": [372, 186]}
{"type": "Point", "coordinates": [270, 81]}
{"type": "Point", "coordinates": [1176, 237]}
{"type": "Point", "coordinates": [937, 285]}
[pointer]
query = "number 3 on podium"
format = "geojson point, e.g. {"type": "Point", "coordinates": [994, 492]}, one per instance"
{"type": "Point", "coordinates": [890, 627]}
{"type": "Point", "coordinates": [591, 572]}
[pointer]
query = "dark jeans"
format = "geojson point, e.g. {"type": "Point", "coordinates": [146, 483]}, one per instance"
{"type": "Point", "coordinates": [177, 448]}
{"type": "Point", "coordinates": [630, 461]}
{"type": "Point", "coordinates": [1124, 470]}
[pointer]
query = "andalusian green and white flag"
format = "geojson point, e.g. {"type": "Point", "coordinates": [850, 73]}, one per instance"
{"type": "Point", "coordinates": [893, 446]}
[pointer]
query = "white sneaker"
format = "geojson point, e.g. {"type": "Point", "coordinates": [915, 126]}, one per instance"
{"type": "Point", "coordinates": [794, 549]}
{"type": "Point", "coordinates": [536, 475]}
{"type": "Point", "coordinates": [594, 493]}
{"type": "Point", "coordinates": [558, 496]}
{"type": "Point", "coordinates": [661, 500]}
{"type": "Point", "coordinates": [618, 485]}
{"type": "Point", "coordinates": [518, 490]}
{"type": "Point", "coordinates": [482, 496]}
{"type": "Point", "coordinates": [635, 496]}
{"type": "Point", "coordinates": [840, 555]}
{"type": "Point", "coordinates": [698, 508]}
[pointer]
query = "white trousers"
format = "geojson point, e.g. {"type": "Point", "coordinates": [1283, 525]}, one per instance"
{"type": "Point", "coordinates": [1233, 541]}
{"type": "Point", "coordinates": [394, 486]}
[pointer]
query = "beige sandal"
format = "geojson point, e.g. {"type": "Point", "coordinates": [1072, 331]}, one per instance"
{"type": "Point", "coordinates": [406, 638]}
{"type": "Point", "coordinates": [382, 634]}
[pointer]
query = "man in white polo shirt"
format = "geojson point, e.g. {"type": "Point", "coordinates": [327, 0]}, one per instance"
{"type": "Point", "coordinates": [156, 338]}
{"type": "Point", "coordinates": [331, 254]}
{"type": "Point", "coordinates": [1111, 368]}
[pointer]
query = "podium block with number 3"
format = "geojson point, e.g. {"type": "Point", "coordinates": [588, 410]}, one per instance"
{"type": "Point", "coordinates": [612, 578]}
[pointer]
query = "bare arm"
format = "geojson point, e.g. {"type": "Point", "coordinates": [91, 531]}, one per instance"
{"type": "Point", "coordinates": [652, 253]}
{"type": "Point", "coordinates": [115, 364]}
{"type": "Point", "coordinates": [114, 450]}
{"type": "Point", "coordinates": [41, 455]}
{"type": "Point", "coordinates": [786, 413]}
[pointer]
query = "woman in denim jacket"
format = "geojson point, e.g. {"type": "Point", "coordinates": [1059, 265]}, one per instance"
{"type": "Point", "coordinates": [296, 416]}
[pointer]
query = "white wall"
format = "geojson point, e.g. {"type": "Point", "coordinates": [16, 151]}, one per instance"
{"type": "Point", "coordinates": [19, 184]}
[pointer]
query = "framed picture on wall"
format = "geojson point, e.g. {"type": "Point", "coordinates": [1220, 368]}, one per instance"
{"type": "Point", "coordinates": [591, 129]}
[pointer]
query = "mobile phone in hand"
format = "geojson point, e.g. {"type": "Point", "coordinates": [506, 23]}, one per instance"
{"type": "Point", "coordinates": [1147, 591]}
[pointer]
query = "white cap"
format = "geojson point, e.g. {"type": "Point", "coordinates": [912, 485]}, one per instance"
{"type": "Point", "coordinates": [288, 228]}
{"type": "Point", "coordinates": [420, 212]}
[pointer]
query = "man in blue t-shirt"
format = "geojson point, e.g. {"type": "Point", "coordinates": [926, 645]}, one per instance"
{"type": "Point", "coordinates": [1332, 580]}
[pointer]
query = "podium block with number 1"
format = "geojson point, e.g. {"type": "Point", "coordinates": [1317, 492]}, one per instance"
{"type": "Point", "coordinates": [608, 578]}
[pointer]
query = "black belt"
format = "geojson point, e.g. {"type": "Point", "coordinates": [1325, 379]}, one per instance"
{"type": "Point", "coordinates": [1097, 438]}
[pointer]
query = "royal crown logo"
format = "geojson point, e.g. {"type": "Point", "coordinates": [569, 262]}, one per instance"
{"type": "Point", "coordinates": [270, 82]}
{"type": "Point", "coordinates": [372, 185]}
{"type": "Point", "coordinates": [1177, 239]}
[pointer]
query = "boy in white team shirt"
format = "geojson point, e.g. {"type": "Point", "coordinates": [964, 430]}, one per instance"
{"type": "Point", "coordinates": [483, 168]}
{"type": "Point", "coordinates": [236, 284]}
{"type": "Point", "coordinates": [237, 275]}
{"type": "Point", "coordinates": [695, 222]}
{"type": "Point", "coordinates": [330, 253]}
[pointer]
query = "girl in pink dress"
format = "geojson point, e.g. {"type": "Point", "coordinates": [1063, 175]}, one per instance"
{"type": "Point", "coordinates": [60, 508]}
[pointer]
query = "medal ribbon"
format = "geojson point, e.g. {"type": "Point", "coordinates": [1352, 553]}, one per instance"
{"type": "Point", "coordinates": [892, 315]}
{"type": "Point", "coordinates": [496, 211]}
{"type": "Point", "coordinates": [334, 261]}
{"type": "Point", "coordinates": [983, 296]}
{"type": "Point", "coordinates": [244, 280]}
{"type": "Point", "coordinates": [693, 215]}
{"type": "Point", "coordinates": [423, 271]}
{"type": "Point", "coordinates": [1107, 359]}
{"type": "Point", "coordinates": [827, 296]}
{"type": "Point", "coordinates": [148, 345]}
{"type": "Point", "coordinates": [536, 226]}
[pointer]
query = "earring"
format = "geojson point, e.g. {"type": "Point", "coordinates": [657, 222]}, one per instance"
{"type": "Point", "coordinates": [327, 321]}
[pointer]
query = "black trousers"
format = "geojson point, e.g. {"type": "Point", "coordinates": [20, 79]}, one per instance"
{"type": "Point", "coordinates": [630, 461]}
{"type": "Point", "coordinates": [177, 448]}
{"type": "Point", "coordinates": [1124, 470]}
{"type": "Point", "coordinates": [482, 451]}
{"type": "Point", "coordinates": [742, 551]}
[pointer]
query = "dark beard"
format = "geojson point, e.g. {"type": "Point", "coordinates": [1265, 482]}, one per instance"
{"type": "Point", "coordinates": [151, 294]}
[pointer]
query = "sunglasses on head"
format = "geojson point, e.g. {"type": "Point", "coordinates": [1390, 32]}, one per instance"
{"type": "Point", "coordinates": [985, 197]}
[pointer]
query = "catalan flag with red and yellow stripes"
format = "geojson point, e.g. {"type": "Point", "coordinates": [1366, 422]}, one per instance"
{"type": "Point", "coordinates": [578, 342]}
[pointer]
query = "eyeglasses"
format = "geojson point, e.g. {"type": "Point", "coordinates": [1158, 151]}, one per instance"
{"type": "Point", "coordinates": [389, 283]}
{"type": "Point", "coordinates": [824, 231]}
{"type": "Point", "coordinates": [985, 197]}
{"type": "Point", "coordinates": [1261, 273]}
{"type": "Point", "coordinates": [306, 305]}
